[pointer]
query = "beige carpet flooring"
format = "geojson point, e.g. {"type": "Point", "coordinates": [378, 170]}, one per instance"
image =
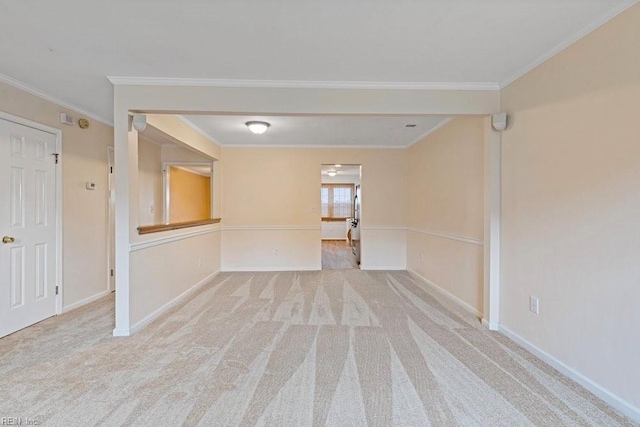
{"type": "Point", "coordinates": [336, 348]}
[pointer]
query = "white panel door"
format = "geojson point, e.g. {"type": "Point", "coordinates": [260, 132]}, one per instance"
{"type": "Point", "coordinates": [27, 226]}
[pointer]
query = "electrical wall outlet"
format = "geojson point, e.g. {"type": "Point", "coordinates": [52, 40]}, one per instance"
{"type": "Point", "coordinates": [199, 261]}
{"type": "Point", "coordinates": [534, 305]}
{"type": "Point", "coordinates": [276, 251]}
{"type": "Point", "coordinates": [422, 256]}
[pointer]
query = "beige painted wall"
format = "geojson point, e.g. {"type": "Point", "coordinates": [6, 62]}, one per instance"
{"type": "Point", "coordinates": [163, 273]}
{"type": "Point", "coordinates": [84, 156]}
{"type": "Point", "coordinates": [570, 232]}
{"type": "Point", "coordinates": [270, 189]}
{"type": "Point", "coordinates": [176, 153]}
{"type": "Point", "coordinates": [150, 179]}
{"type": "Point", "coordinates": [162, 266]}
{"type": "Point", "coordinates": [190, 196]}
{"type": "Point", "coordinates": [192, 139]}
{"type": "Point", "coordinates": [445, 215]}
{"type": "Point", "coordinates": [279, 186]}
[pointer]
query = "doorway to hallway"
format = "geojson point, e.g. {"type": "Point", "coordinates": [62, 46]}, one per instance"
{"type": "Point", "coordinates": [340, 197]}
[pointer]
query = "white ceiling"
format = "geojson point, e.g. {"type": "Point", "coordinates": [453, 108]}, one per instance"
{"type": "Point", "coordinates": [308, 131]}
{"type": "Point", "coordinates": [343, 170]}
{"type": "Point", "coordinates": [198, 170]}
{"type": "Point", "coordinates": [65, 48]}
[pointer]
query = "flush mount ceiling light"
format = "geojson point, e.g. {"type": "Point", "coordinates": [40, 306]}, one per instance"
{"type": "Point", "coordinates": [337, 166]}
{"type": "Point", "coordinates": [332, 173]}
{"type": "Point", "coordinates": [258, 127]}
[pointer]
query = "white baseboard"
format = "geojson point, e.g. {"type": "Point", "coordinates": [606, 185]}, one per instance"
{"type": "Point", "coordinates": [447, 294]}
{"type": "Point", "coordinates": [612, 399]}
{"type": "Point", "coordinates": [157, 313]}
{"type": "Point", "coordinates": [85, 301]}
{"type": "Point", "coordinates": [121, 332]}
{"type": "Point", "coordinates": [620, 404]}
{"type": "Point", "coordinates": [490, 326]}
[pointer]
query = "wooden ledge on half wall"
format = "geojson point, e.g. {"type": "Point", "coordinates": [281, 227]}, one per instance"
{"type": "Point", "coordinates": [176, 225]}
{"type": "Point", "coordinates": [335, 219]}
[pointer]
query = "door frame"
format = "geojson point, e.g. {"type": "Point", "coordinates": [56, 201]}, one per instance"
{"type": "Point", "coordinates": [111, 232]}
{"type": "Point", "coordinates": [58, 197]}
{"type": "Point", "coordinates": [361, 165]}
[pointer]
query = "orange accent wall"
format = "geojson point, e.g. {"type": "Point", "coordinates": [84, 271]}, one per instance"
{"type": "Point", "coordinates": [190, 196]}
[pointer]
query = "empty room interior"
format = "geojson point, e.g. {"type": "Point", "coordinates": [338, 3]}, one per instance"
{"type": "Point", "coordinates": [312, 213]}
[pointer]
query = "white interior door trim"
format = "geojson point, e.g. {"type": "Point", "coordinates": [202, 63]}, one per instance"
{"type": "Point", "coordinates": [110, 216]}
{"type": "Point", "coordinates": [58, 134]}
{"type": "Point", "coordinates": [492, 224]}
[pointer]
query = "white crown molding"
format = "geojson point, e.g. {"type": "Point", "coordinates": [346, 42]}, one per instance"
{"type": "Point", "coordinates": [198, 129]}
{"type": "Point", "coordinates": [591, 26]}
{"type": "Point", "coordinates": [382, 147]}
{"type": "Point", "coordinates": [444, 122]}
{"type": "Point", "coordinates": [300, 84]}
{"type": "Point", "coordinates": [40, 94]}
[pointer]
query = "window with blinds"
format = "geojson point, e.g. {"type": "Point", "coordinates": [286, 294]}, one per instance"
{"type": "Point", "coordinates": [336, 201]}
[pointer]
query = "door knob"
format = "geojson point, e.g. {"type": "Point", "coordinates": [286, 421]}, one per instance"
{"type": "Point", "coordinates": [7, 239]}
